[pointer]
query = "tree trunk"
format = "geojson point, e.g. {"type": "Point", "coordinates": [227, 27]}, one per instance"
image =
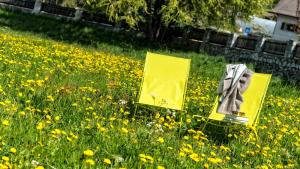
{"type": "Point", "coordinates": [154, 23]}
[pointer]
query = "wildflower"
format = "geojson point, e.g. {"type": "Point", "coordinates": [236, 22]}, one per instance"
{"type": "Point", "coordinates": [5, 122]}
{"type": "Point", "coordinates": [195, 157]}
{"type": "Point", "coordinates": [39, 167]}
{"type": "Point", "coordinates": [57, 118]}
{"type": "Point", "coordinates": [264, 167]}
{"type": "Point", "coordinates": [188, 121]}
{"type": "Point", "coordinates": [182, 154]}
{"type": "Point", "coordinates": [213, 153]}
{"type": "Point", "coordinates": [88, 153]}
{"type": "Point", "coordinates": [215, 160]}
{"type": "Point", "coordinates": [40, 125]}
{"type": "Point", "coordinates": [50, 99]}
{"type": "Point", "coordinates": [107, 161]}
{"type": "Point", "coordinates": [146, 158]}
{"type": "Point", "coordinates": [186, 137]}
{"type": "Point", "coordinates": [124, 130]}
{"type": "Point", "coordinates": [160, 167]}
{"type": "Point", "coordinates": [90, 162]}
{"type": "Point", "coordinates": [161, 140]}
{"type": "Point", "coordinates": [206, 166]}
{"type": "Point", "coordinates": [143, 160]}
{"type": "Point", "coordinates": [5, 158]}
{"type": "Point", "coordinates": [13, 150]}
{"type": "Point", "coordinates": [22, 113]}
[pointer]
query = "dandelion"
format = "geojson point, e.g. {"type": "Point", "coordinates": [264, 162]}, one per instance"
{"type": "Point", "coordinates": [107, 161]}
{"type": "Point", "coordinates": [186, 137]}
{"type": "Point", "coordinates": [5, 158]}
{"type": "Point", "coordinates": [88, 153]}
{"type": "Point", "coordinates": [39, 167]}
{"type": "Point", "coordinates": [124, 130]}
{"type": "Point", "coordinates": [160, 140]}
{"type": "Point", "coordinates": [57, 118]}
{"type": "Point", "coordinates": [13, 150]}
{"type": "Point", "coordinates": [22, 113]}
{"type": "Point", "coordinates": [5, 122]}
{"type": "Point", "coordinates": [215, 160]}
{"type": "Point", "coordinates": [90, 162]}
{"type": "Point", "coordinates": [195, 157]}
{"type": "Point", "coordinates": [160, 167]}
{"type": "Point", "coordinates": [40, 125]}
{"type": "Point", "coordinates": [188, 120]}
{"type": "Point", "coordinates": [50, 99]}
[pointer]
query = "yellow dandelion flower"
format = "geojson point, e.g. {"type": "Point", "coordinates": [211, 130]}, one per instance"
{"type": "Point", "coordinates": [149, 158]}
{"type": "Point", "coordinates": [5, 122]}
{"type": "Point", "coordinates": [40, 125]}
{"type": "Point", "coordinates": [160, 167]}
{"type": "Point", "coordinates": [182, 154]}
{"type": "Point", "coordinates": [39, 167]}
{"type": "Point", "coordinates": [22, 113]}
{"type": "Point", "coordinates": [195, 157]}
{"type": "Point", "coordinates": [161, 140]}
{"type": "Point", "coordinates": [88, 153]}
{"type": "Point", "coordinates": [124, 130]}
{"type": "Point", "coordinates": [50, 99]}
{"type": "Point", "coordinates": [142, 155]}
{"type": "Point", "coordinates": [5, 158]}
{"type": "Point", "coordinates": [13, 150]}
{"type": "Point", "coordinates": [264, 167]}
{"type": "Point", "coordinates": [215, 160]}
{"type": "Point", "coordinates": [107, 161]}
{"type": "Point", "coordinates": [57, 118]}
{"type": "Point", "coordinates": [90, 162]}
{"type": "Point", "coordinates": [143, 160]}
{"type": "Point", "coordinates": [188, 120]}
{"type": "Point", "coordinates": [206, 166]}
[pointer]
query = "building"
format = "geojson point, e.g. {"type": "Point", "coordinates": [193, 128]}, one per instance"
{"type": "Point", "coordinates": [258, 26]}
{"type": "Point", "coordinates": [287, 24]}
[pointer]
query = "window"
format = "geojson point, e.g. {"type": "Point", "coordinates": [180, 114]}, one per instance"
{"type": "Point", "coordinates": [290, 27]}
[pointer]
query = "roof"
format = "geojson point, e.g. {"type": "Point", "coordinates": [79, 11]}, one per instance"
{"type": "Point", "coordinates": [286, 7]}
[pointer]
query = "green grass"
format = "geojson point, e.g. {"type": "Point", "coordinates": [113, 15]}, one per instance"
{"type": "Point", "coordinates": [60, 89]}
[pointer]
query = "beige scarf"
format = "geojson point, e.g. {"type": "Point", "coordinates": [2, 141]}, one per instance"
{"type": "Point", "coordinates": [233, 84]}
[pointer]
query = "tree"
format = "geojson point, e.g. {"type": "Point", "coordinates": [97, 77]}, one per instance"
{"type": "Point", "coordinates": [155, 16]}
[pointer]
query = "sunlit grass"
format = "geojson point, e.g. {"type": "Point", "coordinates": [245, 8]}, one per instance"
{"type": "Point", "coordinates": [67, 106]}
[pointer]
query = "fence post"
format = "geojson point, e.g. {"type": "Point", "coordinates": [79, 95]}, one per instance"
{"type": "Point", "coordinates": [259, 45]}
{"type": "Point", "coordinates": [78, 14]}
{"type": "Point", "coordinates": [205, 40]}
{"type": "Point", "coordinates": [230, 42]}
{"type": "Point", "coordinates": [37, 6]}
{"type": "Point", "coordinates": [289, 49]}
{"type": "Point", "coordinates": [117, 27]}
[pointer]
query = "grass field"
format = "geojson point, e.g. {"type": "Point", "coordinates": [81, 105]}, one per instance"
{"type": "Point", "coordinates": [68, 103]}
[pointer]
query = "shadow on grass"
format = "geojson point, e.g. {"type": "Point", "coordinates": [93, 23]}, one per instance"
{"type": "Point", "coordinates": [87, 34]}
{"type": "Point", "coordinates": [70, 31]}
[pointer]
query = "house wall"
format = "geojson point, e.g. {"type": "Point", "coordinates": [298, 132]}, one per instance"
{"type": "Point", "coordinates": [284, 35]}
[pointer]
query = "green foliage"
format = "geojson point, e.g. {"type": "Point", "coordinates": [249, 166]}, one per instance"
{"type": "Point", "coordinates": [197, 13]}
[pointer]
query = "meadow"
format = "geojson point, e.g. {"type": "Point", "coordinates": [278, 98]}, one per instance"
{"type": "Point", "coordinates": [68, 102]}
